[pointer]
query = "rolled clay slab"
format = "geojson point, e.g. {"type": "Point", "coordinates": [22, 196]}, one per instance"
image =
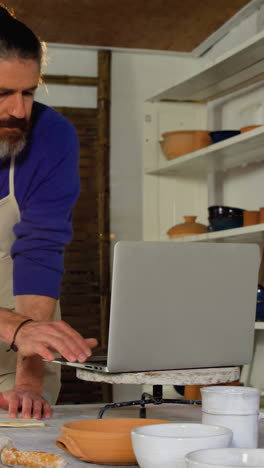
{"type": "Point", "coordinates": [19, 422]}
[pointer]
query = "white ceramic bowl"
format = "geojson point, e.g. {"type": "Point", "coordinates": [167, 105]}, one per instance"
{"type": "Point", "coordinates": [166, 445]}
{"type": "Point", "coordinates": [225, 458]}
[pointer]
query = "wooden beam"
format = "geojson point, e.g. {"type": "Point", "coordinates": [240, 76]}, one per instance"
{"type": "Point", "coordinates": [103, 104]}
{"type": "Point", "coordinates": [70, 80]}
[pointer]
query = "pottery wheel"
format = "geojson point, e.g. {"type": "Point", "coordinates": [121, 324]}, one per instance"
{"type": "Point", "coordinates": [209, 376]}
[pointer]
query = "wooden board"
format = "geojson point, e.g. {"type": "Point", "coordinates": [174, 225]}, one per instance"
{"type": "Point", "coordinates": [170, 25]}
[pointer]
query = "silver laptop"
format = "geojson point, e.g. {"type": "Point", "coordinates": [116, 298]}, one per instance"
{"type": "Point", "coordinates": [180, 306]}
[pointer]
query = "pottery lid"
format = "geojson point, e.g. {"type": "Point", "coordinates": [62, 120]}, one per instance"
{"type": "Point", "coordinates": [187, 228]}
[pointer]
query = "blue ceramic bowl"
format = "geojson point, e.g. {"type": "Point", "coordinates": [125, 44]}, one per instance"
{"type": "Point", "coordinates": [260, 304]}
{"type": "Point", "coordinates": [223, 135]}
{"type": "Point", "coordinates": [219, 224]}
{"type": "Point", "coordinates": [224, 217]}
{"type": "Point", "coordinates": [220, 211]}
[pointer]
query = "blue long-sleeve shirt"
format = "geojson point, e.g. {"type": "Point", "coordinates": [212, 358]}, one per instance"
{"type": "Point", "coordinates": [46, 187]}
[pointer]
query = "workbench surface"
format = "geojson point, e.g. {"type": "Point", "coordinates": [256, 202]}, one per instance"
{"type": "Point", "coordinates": [42, 438]}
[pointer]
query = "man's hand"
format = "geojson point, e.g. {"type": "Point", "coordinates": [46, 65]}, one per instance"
{"type": "Point", "coordinates": [31, 403]}
{"type": "Point", "coordinates": [46, 338]}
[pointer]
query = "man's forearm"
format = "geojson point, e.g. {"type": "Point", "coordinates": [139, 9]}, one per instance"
{"type": "Point", "coordinates": [36, 307]}
{"type": "Point", "coordinates": [9, 322]}
{"type": "Point", "coordinates": [29, 373]}
{"type": "Point", "coordinates": [28, 306]}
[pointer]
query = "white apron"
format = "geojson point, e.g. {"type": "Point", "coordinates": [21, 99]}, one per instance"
{"type": "Point", "coordinates": [9, 216]}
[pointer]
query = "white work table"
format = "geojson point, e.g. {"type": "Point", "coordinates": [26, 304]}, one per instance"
{"type": "Point", "coordinates": [42, 438]}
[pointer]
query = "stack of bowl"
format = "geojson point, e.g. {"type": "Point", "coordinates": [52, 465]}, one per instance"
{"type": "Point", "coordinates": [224, 217]}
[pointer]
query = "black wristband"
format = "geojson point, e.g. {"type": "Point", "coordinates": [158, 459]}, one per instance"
{"type": "Point", "coordinates": [13, 346]}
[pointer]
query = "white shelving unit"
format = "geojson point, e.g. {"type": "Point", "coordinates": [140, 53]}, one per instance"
{"type": "Point", "coordinates": [187, 185]}
{"type": "Point", "coordinates": [249, 234]}
{"type": "Point", "coordinates": [238, 151]}
{"type": "Point", "coordinates": [237, 68]}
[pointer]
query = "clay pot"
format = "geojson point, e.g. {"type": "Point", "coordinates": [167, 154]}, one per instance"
{"type": "Point", "coordinates": [190, 227]}
{"type": "Point", "coordinates": [261, 215]}
{"type": "Point", "coordinates": [177, 143]}
{"type": "Point", "coordinates": [250, 217]}
{"type": "Point", "coordinates": [102, 441]}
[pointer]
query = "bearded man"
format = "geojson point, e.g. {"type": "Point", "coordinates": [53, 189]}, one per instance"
{"type": "Point", "coordinates": [39, 184]}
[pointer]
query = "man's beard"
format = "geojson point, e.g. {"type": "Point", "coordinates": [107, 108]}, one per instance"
{"type": "Point", "coordinates": [13, 133]}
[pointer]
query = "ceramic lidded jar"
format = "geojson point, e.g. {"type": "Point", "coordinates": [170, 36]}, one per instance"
{"type": "Point", "coordinates": [188, 228]}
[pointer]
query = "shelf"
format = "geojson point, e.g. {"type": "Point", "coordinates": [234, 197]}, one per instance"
{"type": "Point", "coordinates": [238, 151]}
{"type": "Point", "coordinates": [241, 66]}
{"type": "Point", "coordinates": [259, 325]}
{"type": "Point", "coordinates": [249, 234]}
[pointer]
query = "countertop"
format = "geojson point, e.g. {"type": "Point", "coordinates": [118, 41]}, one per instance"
{"type": "Point", "coordinates": [42, 438]}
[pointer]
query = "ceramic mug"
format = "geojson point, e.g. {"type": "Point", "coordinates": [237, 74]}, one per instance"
{"type": "Point", "coordinates": [236, 408]}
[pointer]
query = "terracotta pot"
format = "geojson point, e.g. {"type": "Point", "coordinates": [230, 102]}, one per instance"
{"type": "Point", "coordinates": [190, 227]}
{"type": "Point", "coordinates": [248, 128]}
{"type": "Point", "coordinates": [261, 215]}
{"type": "Point", "coordinates": [250, 217]}
{"type": "Point", "coordinates": [177, 143]}
{"type": "Point", "coordinates": [102, 441]}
